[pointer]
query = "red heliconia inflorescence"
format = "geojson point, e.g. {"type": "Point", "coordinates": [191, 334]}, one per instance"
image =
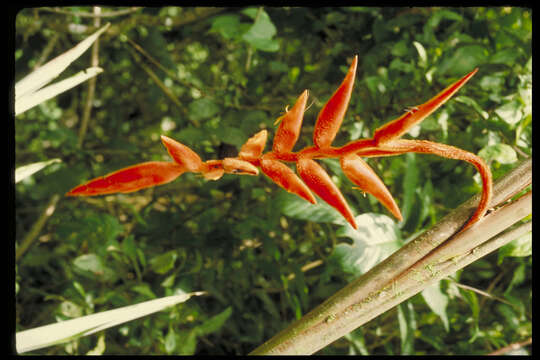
{"type": "Point", "coordinates": [385, 142]}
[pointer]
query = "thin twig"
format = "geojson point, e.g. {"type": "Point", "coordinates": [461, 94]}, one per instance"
{"type": "Point", "coordinates": [91, 84]}
{"type": "Point", "coordinates": [36, 228]}
{"type": "Point", "coordinates": [94, 15]}
{"type": "Point", "coordinates": [481, 292]}
{"type": "Point", "coordinates": [47, 51]}
{"type": "Point", "coordinates": [512, 347]}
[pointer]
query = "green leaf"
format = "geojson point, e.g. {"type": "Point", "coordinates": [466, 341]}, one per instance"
{"type": "Point", "coordinates": [232, 135]}
{"type": "Point", "coordinates": [511, 112]}
{"type": "Point", "coordinates": [507, 56]}
{"type": "Point", "coordinates": [463, 60]}
{"type": "Point", "coordinates": [227, 25]}
{"type": "Point", "coordinates": [161, 264]}
{"type": "Point", "coordinates": [437, 302]}
{"type": "Point", "coordinates": [472, 299]}
{"type": "Point", "coordinates": [187, 341]}
{"type": "Point", "coordinates": [407, 327]}
{"type": "Point", "coordinates": [170, 341]}
{"type": "Point", "coordinates": [501, 153]}
{"type": "Point", "coordinates": [472, 103]}
{"type": "Point", "coordinates": [214, 323]}
{"type": "Point", "coordinates": [410, 182]}
{"type": "Point", "coordinates": [261, 32]}
{"type": "Point", "coordinates": [93, 264]}
{"type": "Point", "coordinates": [202, 109]}
{"type": "Point", "coordinates": [144, 289]}
{"type": "Point", "coordinates": [295, 207]}
{"type": "Point", "coordinates": [519, 247]}
{"type": "Point", "coordinates": [377, 237]}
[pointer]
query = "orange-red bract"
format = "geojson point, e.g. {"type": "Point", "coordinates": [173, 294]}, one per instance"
{"type": "Point", "coordinates": [182, 154]}
{"type": "Point", "coordinates": [131, 179]}
{"type": "Point", "coordinates": [395, 128]}
{"type": "Point", "coordinates": [282, 175]}
{"type": "Point", "coordinates": [331, 115]}
{"type": "Point", "coordinates": [289, 128]}
{"type": "Point", "coordinates": [360, 173]}
{"type": "Point", "coordinates": [385, 142]}
{"type": "Point", "coordinates": [319, 181]}
{"type": "Point", "coordinates": [253, 148]}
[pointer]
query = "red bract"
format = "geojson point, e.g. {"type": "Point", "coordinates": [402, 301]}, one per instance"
{"type": "Point", "coordinates": [282, 175]}
{"type": "Point", "coordinates": [131, 179]}
{"type": "Point", "coordinates": [289, 128]}
{"type": "Point", "coordinates": [385, 142]}
{"type": "Point", "coordinates": [332, 113]}
{"type": "Point", "coordinates": [319, 181]}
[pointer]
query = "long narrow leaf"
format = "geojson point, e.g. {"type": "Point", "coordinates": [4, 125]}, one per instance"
{"type": "Point", "coordinates": [25, 171]}
{"type": "Point", "coordinates": [32, 99]}
{"type": "Point", "coordinates": [64, 331]}
{"type": "Point", "coordinates": [53, 68]}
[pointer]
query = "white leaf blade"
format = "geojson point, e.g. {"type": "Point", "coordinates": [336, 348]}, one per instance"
{"type": "Point", "coordinates": [53, 68]}
{"type": "Point", "coordinates": [32, 99]}
{"type": "Point", "coordinates": [25, 171]}
{"type": "Point", "coordinates": [52, 334]}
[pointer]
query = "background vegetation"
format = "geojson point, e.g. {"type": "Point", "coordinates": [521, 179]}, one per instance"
{"type": "Point", "coordinates": [211, 78]}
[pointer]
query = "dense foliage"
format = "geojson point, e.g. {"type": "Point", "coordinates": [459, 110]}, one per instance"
{"type": "Point", "coordinates": [211, 78]}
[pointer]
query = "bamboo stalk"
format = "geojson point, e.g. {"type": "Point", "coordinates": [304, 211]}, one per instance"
{"type": "Point", "coordinates": [334, 318]}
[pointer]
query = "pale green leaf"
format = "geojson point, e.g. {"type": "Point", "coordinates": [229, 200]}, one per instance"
{"type": "Point", "coordinates": [437, 301]}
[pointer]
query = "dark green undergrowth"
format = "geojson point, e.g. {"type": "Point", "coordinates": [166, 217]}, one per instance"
{"type": "Point", "coordinates": [264, 256]}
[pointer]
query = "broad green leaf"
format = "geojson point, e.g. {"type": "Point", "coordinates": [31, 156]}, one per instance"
{"type": "Point", "coordinates": [91, 263]}
{"type": "Point", "coordinates": [463, 60]}
{"type": "Point", "coordinates": [377, 238]}
{"type": "Point", "coordinates": [511, 112]}
{"type": "Point", "coordinates": [232, 135]}
{"type": "Point", "coordinates": [170, 341]}
{"type": "Point", "coordinates": [295, 207]}
{"type": "Point", "coordinates": [519, 247]}
{"type": "Point", "coordinates": [202, 109]}
{"type": "Point", "coordinates": [437, 301]}
{"type": "Point", "coordinates": [260, 34]}
{"type": "Point", "coordinates": [187, 341]}
{"type": "Point", "coordinates": [226, 25]}
{"type": "Point", "coordinates": [145, 290]}
{"type": "Point", "coordinates": [507, 56]}
{"type": "Point", "coordinates": [214, 323]}
{"type": "Point", "coordinates": [161, 264]}
{"type": "Point", "coordinates": [25, 171]}
{"type": "Point", "coordinates": [472, 103]}
{"type": "Point", "coordinates": [501, 153]}
{"type": "Point", "coordinates": [68, 330]}
{"type": "Point", "coordinates": [407, 327]}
